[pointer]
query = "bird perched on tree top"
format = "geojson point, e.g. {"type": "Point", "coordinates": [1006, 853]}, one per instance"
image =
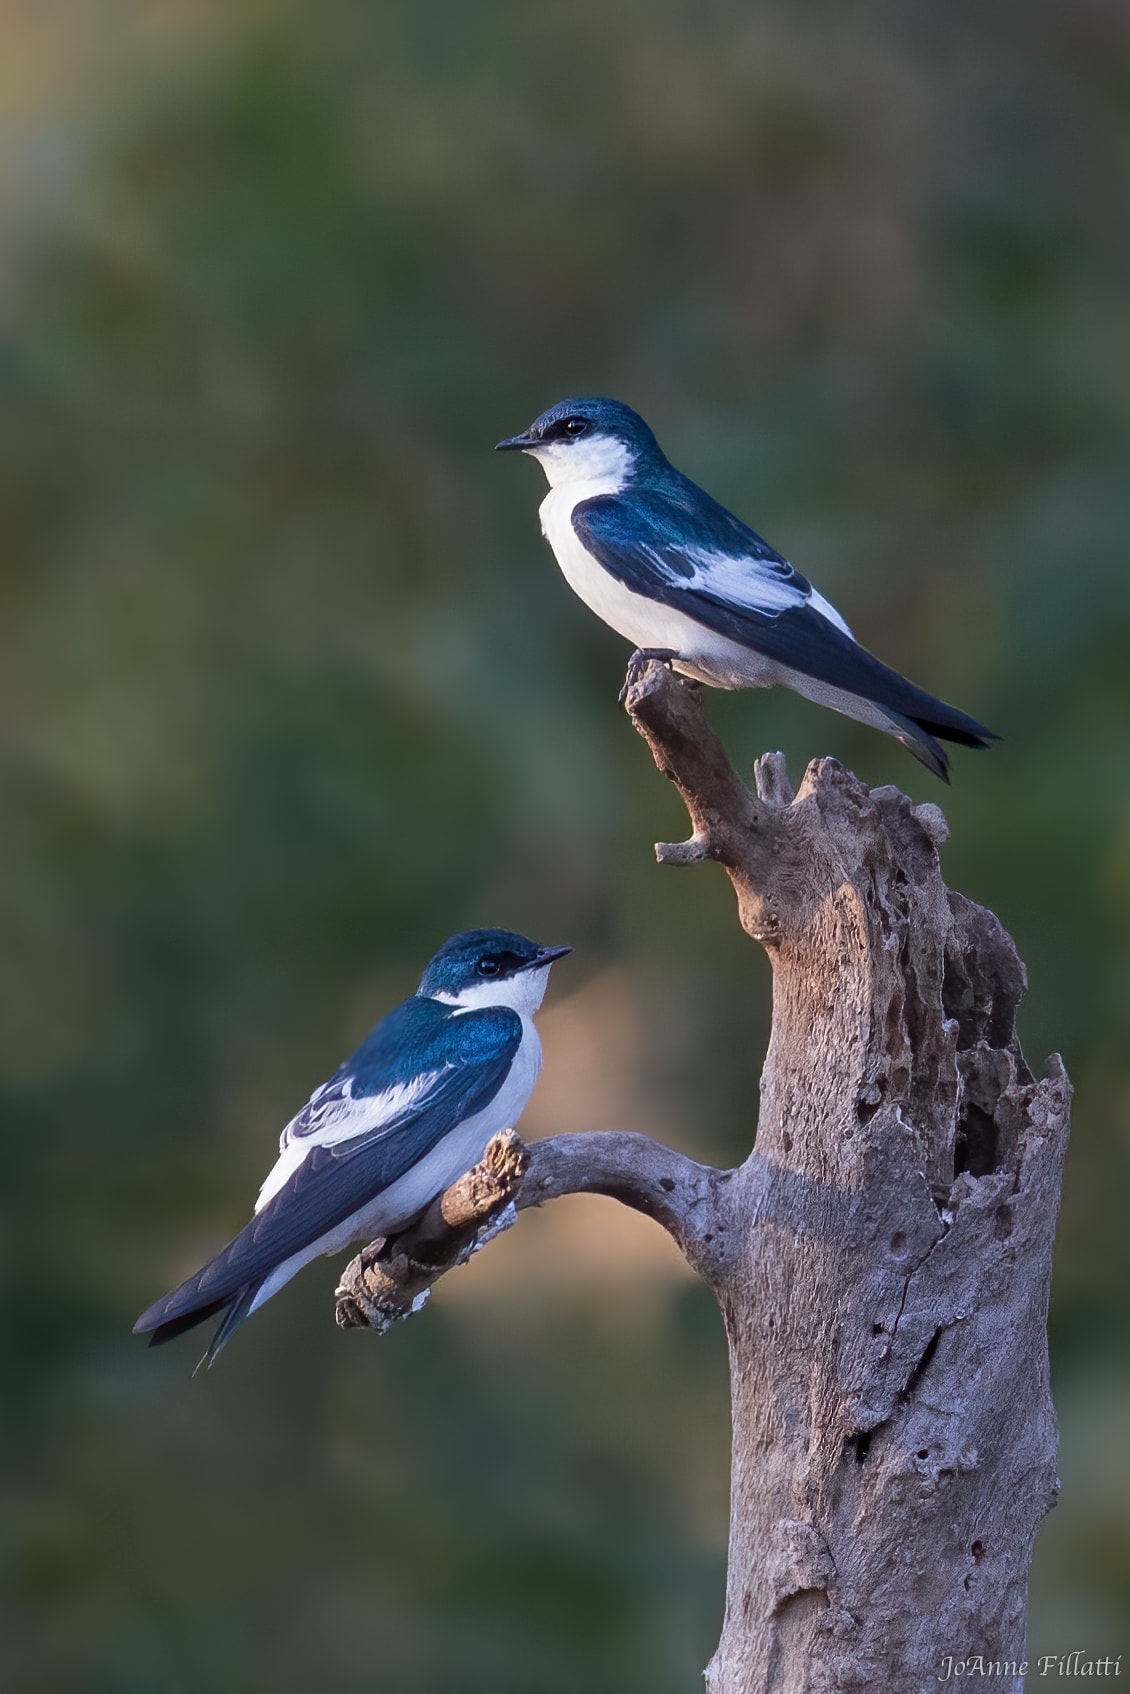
{"type": "Point", "coordinates": [396, 1124]}
{"type": "Point", "coordinates": [677, 574]}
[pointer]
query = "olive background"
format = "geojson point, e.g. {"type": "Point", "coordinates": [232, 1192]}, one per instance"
{"type": "Point", "coordinates": [292, 689]}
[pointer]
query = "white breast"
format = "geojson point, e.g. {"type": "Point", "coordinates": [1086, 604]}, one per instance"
{"type": "Point", "coordinates": [645, 623]}
{"type": "Point", "coordinates": [456, 1153]}
{"type": "Point", "coordinates": [460, 1150]}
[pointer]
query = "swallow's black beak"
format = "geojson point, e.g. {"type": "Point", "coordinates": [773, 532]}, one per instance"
{"type": "Point", "coordinates": [546, 956]}
{"type": "Point", "coordinates": [516, 444]}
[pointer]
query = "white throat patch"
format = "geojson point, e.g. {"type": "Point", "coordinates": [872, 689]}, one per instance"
{"type": "Point", "coordinates": [602, 461]}
{"type": "Point", "coordinates": [523, 992]}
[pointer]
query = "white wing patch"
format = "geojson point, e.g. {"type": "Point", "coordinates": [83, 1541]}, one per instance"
{"type": "Point", "coordinates": [753, 583]}
{"type": "Point", "coordinates": [342, 1119]}
{"type": "Point", "coordinates": [827, 610]}
{"type": "Point", "coordinates": [743, 581]}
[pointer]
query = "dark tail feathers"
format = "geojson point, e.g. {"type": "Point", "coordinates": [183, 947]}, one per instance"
{"type": "Point", "coordinates": [235, 1308]}
{"type": "Point", "coordinates": [917, 735]}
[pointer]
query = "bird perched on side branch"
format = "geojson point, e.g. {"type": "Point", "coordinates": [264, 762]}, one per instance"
{"type": "Point", "coordinates": [396, 1124]}
{"type": "Point", "coordinates": [677, 574]}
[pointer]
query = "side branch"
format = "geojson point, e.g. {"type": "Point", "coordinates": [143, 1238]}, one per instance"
{"type": "Point", "coordinates": [678, 1193]}
{"type": "Point", "coordinates": [390, 1279]}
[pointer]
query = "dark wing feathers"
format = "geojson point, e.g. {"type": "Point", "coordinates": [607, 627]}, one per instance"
{"type": "Point", "coordinates": [669, 524]}
{"type": "Point", "coordinates": [645, 543]}
{"type": "Point", "coordinates": [471, 1053]}
{"type": "Point", "coordinates": [418, 1035]}
{"type": "Point", "coordinates": [806, 641]}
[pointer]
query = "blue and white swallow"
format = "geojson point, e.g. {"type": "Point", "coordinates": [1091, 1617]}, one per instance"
{"type": "Point", "coordinates": [684, 580]}
{"type": "Point", "coordinates": [406, 1115]}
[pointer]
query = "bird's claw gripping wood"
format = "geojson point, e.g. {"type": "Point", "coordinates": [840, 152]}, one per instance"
{"type": "Point", "coordinates": [638, 664]}
{"type": "Point", "coordinates": [391, 1279]}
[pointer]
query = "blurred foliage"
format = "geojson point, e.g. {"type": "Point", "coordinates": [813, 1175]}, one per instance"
{"type": "Point", "coordinates": [292, 689]}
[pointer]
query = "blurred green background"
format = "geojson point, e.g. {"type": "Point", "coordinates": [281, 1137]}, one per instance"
{"type": "Point", "coordinates": [292, 689]}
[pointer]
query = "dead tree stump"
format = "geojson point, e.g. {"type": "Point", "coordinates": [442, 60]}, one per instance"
{"type": "Point", "coordinates": [881, 1259]}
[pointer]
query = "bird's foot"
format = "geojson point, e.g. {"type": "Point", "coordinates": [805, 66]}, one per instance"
{"type": "Point", "coordinates": [636, 666]}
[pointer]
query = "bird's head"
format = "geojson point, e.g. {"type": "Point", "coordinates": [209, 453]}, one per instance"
{"type": "Point", "coordinates": [595, 440]}
{"type": "Point", "coordinates": [490, 967]}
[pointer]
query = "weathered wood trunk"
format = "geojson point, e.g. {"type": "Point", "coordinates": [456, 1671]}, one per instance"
{"type": "Point", "coordinates": [881, 1259]}
{"type": "Point", "coordinates": [885, 1288]}
{"type": "Point", "coordinates": [887, 1256]}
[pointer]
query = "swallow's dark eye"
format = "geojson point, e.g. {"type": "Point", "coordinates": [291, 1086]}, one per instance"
{"type": "Point", "coordinates": [488, 967]}
{"type": "Point", "coordinates": [572, 427]}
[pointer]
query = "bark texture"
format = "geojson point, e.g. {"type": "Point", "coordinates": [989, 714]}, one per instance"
{"type": "Point", "coordinates": [882, 1258]}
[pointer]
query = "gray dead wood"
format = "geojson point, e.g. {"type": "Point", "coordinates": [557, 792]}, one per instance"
{"type": "Point", "coordinates": [881, 1259]}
